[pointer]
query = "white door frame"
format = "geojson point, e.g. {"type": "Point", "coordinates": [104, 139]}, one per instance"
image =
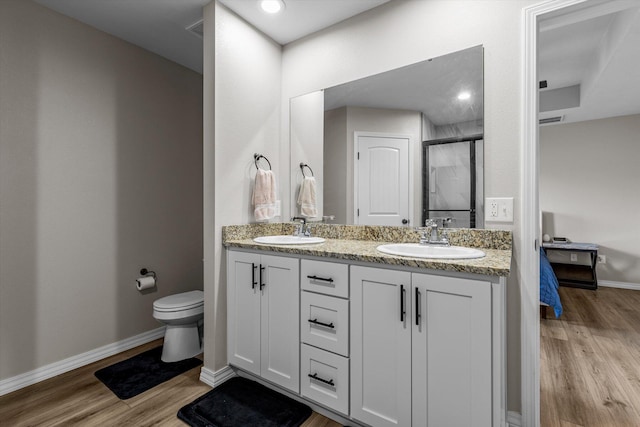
{"type": "Point", "coordinates": [530, 226]}
{"type": "Point", "coordinates": [358, 134]}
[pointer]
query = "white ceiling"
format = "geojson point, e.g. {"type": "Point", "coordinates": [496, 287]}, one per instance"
{"type": "Point", "coordinates": [431, 87]}
{"type": "Point", "coordinates": [299, 17]}
{"type": "Point", "coordinates": [159, 25]}
{"type": "Point", "coordinates": [596, 46]}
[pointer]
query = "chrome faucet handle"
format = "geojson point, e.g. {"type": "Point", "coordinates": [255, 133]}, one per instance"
{"type": "Point", "coordinates": [306, 230]}
{"type": "Point", "coordinates": [298, 229]}
{"type": "Point", "coordinates": [424, 238]}
{"type": "Point", "coordinates": [430, 223]}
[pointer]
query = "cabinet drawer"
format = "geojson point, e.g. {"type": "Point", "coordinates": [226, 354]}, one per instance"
{"type": "Point", "coordinates": [325, 277]}
{"type": "Point", "coordinates": [324, 378]}
{"type": "Point", "coordinates": [324, 322]}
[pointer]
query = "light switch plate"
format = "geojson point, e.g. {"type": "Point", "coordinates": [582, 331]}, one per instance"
{"type": "Point", "coordinates": [499, 209]}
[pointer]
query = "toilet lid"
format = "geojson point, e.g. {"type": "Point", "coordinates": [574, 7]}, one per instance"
{"type": "Point", "coordinates": [183, 301]}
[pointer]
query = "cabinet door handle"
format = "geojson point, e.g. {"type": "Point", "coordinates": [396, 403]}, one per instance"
{"type": "Point", "coordinates": [322, 380]}
{"type": "Point", "coordinates": [417, 307]}
{"type": "Point", "coordinates": [326, 325]}
{"type": "Point", "coordinates": [320, 279]}
{"type": "Point", "coordinates": [402, 309]}
{"type": "Point", "coordinates": [262, 285]}
{"type": "Point", "coordinates": [253, 276]}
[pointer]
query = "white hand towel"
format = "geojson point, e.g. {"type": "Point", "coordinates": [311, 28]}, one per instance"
{"type": "Point", "coordinates": [307, 197]}
{"type": "Point", "coordinates": [264, 195]}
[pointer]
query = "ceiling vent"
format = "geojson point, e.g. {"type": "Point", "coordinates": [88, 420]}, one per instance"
{"type": "Point", "coordinates": [549, 120]}
{"type": "Point", "coordinates": [197, 28]}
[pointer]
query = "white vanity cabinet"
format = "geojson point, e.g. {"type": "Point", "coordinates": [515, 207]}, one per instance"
{"type": "Point", "coordinates": [450, 351]}
{"type": "Point", "coordinates": [421, 350]}
{"type": "Point", "coordinates": [324, 338]}
{"type": "Point", "coordinates": [380, 346]}
{"type": "Point", "coordinates": [263, 316]}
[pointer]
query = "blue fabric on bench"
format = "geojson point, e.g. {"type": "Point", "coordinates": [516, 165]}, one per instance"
{"type": "Point", "coordinates": [549, 285]}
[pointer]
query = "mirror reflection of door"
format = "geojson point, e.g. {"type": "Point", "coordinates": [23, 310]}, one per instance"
{"type": "Point", "coordinates": [452, 187]}
{"type": "Point", "coordinates": [382, 184]}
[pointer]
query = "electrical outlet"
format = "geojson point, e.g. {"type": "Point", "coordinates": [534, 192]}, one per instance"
{"type": "Point", "coordinates": [493, 209]}
{"type": "Point", "coordinates": [574, 257]}
{"type": "Point", "coordinates": [602, 259]}
{"type": "Point", "coordinates": [499, 209]}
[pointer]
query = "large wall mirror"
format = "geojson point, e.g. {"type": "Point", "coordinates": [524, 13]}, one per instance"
{"type": "Point", "coordinates": [398, 147]}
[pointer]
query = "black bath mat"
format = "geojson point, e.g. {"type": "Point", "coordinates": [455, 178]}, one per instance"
{"type": "Point", "coordinates": [241, 402]}
{"type": "Point", "coordinates": [142, 372]}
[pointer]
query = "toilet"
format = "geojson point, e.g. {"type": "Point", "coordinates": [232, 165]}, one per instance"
{"type": "Point", "coordinates": [182, 313]}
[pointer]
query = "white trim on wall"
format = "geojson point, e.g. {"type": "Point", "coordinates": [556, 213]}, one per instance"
{"type": "Point", "coordinates": [530, 225]}
{"type": "Point", "coordinates": [619, 285]}
{"type": "Point", "coordinates": [28, 378]}
{"type": "Point", "coordinates": [216, 378]}
{"type": "Point", "coordinates": [514, 419]}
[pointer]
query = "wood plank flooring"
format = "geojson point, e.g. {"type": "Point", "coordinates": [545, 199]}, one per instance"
{"type": "Point", "coordinates": [589, 376]}
{"type": "Point", "coordinates": [78, 398]}
{"type": "Point", "coordinates": [590, 360]}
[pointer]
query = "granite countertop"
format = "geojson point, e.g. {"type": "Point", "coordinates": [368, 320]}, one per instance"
{"type": "Point", "coordinates": [358, 243]}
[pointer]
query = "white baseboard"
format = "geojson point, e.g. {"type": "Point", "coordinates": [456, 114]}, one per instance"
{"type": "Point", "coordinates": [40, 374]}
{"type": "Point", "coordinates": [514, 419]}
{"type": "Point", "coordinates": [216, 378]}
{"type": "Point", "coordinates": [621, 285]}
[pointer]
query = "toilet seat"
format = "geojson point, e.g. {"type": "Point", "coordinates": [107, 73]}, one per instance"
{"type": "Point", "coordinates": [179, 302]}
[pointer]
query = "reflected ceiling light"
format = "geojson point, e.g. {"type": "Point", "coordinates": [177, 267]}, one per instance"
{"type": "Point", "coordinates": [272, 6]}
{"type": "Point", "coordinates": [463, 96]}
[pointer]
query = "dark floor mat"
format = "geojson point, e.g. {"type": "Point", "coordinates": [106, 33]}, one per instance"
{"type": "Point", "coordinates": [142, 372]}
{"type": "Point", "coordinates": [241, 402]}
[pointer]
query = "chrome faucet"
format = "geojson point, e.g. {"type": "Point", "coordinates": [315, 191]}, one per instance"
{"type": "Point", "coordinates": [446, 221]}
{"type": "Point", "coordinates": [302, 229]}
{"type": "Point", "coordinates": [433, 238]}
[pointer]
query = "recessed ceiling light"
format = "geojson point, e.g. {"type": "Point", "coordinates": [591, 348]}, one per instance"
{"type": "Point", "coordinates": [272, 6]}
{"type": "Point", "coordinates": [463, 96]}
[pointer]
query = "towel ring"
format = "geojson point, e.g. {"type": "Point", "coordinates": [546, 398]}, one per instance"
{"type": "Point", "coordinates": [304, 165]}
{"type": "Point", "coordinates": [257, 157]}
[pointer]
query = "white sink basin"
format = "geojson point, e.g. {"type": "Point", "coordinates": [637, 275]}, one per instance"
{"type": "Point", "coordinates": [288, 240]}
{"type": "Point", "coordinates": [416, 250]}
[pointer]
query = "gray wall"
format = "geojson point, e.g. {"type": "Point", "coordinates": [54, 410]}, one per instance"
{"type": "Point", "coordinates": [100, 175]}
{"type": "Point", "coordinates": [339, 144]}
{"type": "Point", "coordinates": [337, 164]}
{"type": "Point", "coordinates": [242, 117]}
{"type": "Point", "coordinates": [589, 179]}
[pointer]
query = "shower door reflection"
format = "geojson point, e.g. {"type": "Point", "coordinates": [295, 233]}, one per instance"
{"type": "Point", "coordinates": [452, 183]}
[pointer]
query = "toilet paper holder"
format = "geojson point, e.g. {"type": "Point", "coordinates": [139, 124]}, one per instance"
{"type": "Point", "coordinates": [146, 272]}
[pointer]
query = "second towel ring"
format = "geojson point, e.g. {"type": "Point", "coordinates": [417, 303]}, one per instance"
{"type": "Point", "coordinates": [257, 157]}
{"type": "Point", "coordinates": [304, 165]}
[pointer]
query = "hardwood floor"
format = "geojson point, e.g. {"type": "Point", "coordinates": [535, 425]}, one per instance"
{"type": "Point", "coordinates": [590, 360]}
{"type": "Point", "coordinates": [78, 398]}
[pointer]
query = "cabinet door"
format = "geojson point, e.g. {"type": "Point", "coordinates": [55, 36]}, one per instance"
{"type": "Point", "coordinates": [380, 346]}
{"type": "Point", "coordinates": [243, 316]}
{"type": "Point", "coordinates": [451, 354]}
{"type": "Point", "coordinates": [280, 320]}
